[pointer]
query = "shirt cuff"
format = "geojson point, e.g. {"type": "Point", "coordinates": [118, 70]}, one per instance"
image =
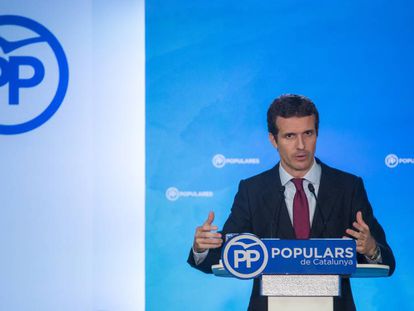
{"type": "Point", "coordinates": [199, 257]}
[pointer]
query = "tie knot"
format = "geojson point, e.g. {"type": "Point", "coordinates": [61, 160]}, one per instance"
{"type": "Point", "coordinates": [298, 182]}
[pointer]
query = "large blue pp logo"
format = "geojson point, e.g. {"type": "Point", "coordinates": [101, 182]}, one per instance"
{"type": "Point", "coordinates": [245, 256]}
{"type": "Point", "coordinates": [34, 74]}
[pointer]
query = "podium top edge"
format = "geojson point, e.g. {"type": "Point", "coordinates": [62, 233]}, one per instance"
{"type": "Point", "coordinates": [363, 271]}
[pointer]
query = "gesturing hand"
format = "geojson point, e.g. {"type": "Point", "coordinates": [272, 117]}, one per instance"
{"type": "Point", "coordinates": [204, 238]}
{"type": "Point", "coordinates": [366, 244]}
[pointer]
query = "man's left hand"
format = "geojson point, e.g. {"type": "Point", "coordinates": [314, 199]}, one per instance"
{"type": "Point", "coordinates": [366, 244]}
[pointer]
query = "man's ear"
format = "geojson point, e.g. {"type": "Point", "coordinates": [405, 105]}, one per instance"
{"type": "Point", "coordinates": [272, 140]}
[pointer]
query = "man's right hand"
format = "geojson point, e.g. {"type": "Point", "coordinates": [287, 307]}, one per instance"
{"type": "Point", "coordinates": [204, 238]}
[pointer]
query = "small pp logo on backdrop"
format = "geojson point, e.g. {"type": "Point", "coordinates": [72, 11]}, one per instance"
{"type": "Point", "coordinates": [393, 161]}
{"type": "Point", "coordinates": [245, 256]}
{"type": "Point", "coordinates": [34, 74]}
{"type": "Point", "coordinates": [173, 194]}
{"type": "Point", "coordinates": [219, 161]}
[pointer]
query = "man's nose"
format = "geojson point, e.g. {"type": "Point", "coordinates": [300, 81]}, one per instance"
{"type": "Point", "coordinates": [300, 142]}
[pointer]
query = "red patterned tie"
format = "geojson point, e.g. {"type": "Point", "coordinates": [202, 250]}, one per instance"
{"type": "Point", "coordinates": [300, 211]}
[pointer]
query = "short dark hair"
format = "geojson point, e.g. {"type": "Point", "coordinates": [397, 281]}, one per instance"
{"type": "Point", "coordinates": [287, 106]}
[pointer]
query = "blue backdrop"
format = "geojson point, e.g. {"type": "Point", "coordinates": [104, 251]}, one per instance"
{"type": "Point", "coordinates": [212, 70]}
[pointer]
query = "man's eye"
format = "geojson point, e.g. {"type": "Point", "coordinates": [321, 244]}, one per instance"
{"type": "Point", "coordinates": [309, 133]}
{"type": "Point", "coordinates": [289, 136]}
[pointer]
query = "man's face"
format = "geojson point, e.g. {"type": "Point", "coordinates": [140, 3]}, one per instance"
{"type": "Point", "coordinates": [296, 143]}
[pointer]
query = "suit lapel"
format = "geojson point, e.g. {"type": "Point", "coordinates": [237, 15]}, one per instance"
{"type": "Point", "coordinates": [275, 205]}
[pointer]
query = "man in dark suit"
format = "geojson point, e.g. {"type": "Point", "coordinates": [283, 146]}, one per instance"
{"type": "Point", "coordinates": [299, 198]}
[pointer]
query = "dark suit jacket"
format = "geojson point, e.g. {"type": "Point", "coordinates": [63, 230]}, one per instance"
{"type": "Point", "coordinates": [259, 208]}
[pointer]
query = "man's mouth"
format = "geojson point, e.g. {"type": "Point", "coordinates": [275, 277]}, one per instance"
{"type": "Point", "coordinates": [301, 156]}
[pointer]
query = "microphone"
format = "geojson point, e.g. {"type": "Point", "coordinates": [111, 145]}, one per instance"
{"type": "Point", "coordinates": [282, 194]}
{"type": "Point", "coordinates": [312, 190]}
{"type": "Point", "coordinates": [317, 206]}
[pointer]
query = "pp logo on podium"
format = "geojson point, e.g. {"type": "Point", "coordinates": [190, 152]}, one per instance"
{"type": "Point", "coordinates": [34, 74]}
{"type": "Point", "coordinates": [245, 256]}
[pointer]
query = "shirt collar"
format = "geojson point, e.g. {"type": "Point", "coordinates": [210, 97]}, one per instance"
{"type": "Point", "coordinates": [313, 175]}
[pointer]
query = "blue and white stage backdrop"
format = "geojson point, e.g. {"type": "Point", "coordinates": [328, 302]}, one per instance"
{"type": "Point", "coordinates": [72, 122]}
{"type": "Point", "coordinates": [212, 69]}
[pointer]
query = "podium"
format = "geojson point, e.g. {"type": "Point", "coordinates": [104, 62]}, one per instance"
{"type": "Point", "coordinates": [306, 292]}
{"type": "Point", "coordinates": [300, 292]}
{"type": "Point", "coordinates": [287, 291]}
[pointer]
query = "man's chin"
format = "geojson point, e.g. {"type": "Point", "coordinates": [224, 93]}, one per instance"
{"type": "Point", "coordinates": [303, 166]}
